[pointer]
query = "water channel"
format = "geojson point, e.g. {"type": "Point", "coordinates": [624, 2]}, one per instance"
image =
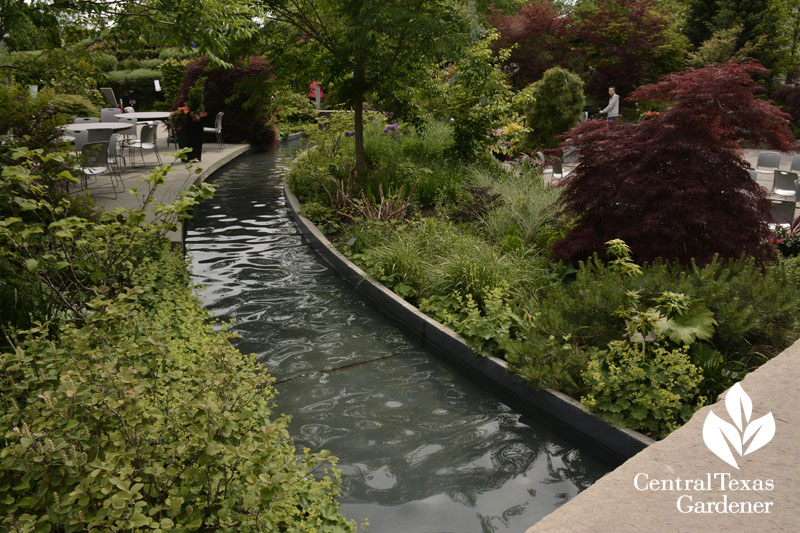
{"type": "Point", "coordinates": [421, 448]}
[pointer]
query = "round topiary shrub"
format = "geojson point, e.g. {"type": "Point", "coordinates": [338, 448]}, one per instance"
{"type": "Point", "coordinates": [247, 118]}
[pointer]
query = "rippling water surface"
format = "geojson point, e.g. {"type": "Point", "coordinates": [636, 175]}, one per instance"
{"type": "Point", "coordinates": [421, 448]}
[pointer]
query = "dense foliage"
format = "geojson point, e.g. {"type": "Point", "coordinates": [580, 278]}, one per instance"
{"type": "Point", "coordinates": [619, 42]}
{"type": "Point", "coordinates": [418, 160]}
{"type": "Point", "coordinates": [676, 187]}
{"type": "Point", "coordinates": [242, 93]}
{"type": "Point", "coordinates": [371, 47]}
{"type": "Point", "coordinates": [143, 416]}
{"type": "Point", "coordinates": [478, 96]}
{"type": "Point", "coordinates": [478, 263]}
{"type": "Point", "coordinates": [537, 35]}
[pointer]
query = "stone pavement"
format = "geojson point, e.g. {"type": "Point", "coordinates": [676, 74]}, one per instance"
{"type": "Point", "coordinates": [644, 494]}
{"type": "Point", "coordinates": [179, 179]}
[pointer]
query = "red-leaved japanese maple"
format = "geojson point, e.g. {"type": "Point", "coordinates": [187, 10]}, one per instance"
{"type": "Point", "coordinates": [538, 32]}
{"type": "Point", "coordinates": [677, 186]}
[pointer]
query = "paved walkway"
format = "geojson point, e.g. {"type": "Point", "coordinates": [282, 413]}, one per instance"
{"type": "Point", "coordinates": [179, 179]}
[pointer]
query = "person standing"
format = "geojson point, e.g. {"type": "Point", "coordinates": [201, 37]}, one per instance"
{"type": "Point", "coordinates": [612, 109]}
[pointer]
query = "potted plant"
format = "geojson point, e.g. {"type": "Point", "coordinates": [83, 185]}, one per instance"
{"type": "Point", "coordinates": [187, 120]}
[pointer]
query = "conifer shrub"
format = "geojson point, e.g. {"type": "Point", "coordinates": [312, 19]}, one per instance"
{"type": "Point", "coordinates": [757, 315]}
{"type": "Point", "coordinates": [557, 105]}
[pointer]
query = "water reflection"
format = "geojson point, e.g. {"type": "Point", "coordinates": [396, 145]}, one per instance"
{"type": "Point", "coordinates": [421, 448]}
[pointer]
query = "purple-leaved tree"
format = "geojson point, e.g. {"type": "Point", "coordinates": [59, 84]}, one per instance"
{"type": "Point", "coordinates": [676, 187]}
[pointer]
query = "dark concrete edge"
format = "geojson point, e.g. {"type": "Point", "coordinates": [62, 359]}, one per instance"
{"type": "Point", "coordinates": [204, 174]}
{"type": "Point", "coordinates": [622, 443]}
{"type": "Point", "coordinates": [292, 137]}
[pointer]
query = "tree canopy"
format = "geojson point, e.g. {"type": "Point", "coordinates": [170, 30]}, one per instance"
{"type": "Point", "coordinates": [372, 46]}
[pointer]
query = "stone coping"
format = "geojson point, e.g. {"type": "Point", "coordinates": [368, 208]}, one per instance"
{"type": "Point", "coordinates": [631, 498]}
{"type": "Point", "coordinates": [612, 443]}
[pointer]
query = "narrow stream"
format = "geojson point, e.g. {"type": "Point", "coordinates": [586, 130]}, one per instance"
{"type": "Point", "coordinates": [421, 448]}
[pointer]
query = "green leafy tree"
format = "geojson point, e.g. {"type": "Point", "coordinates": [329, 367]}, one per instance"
{"type": "Point", "coordinates": [557, 105]}
{"type": "Point", "coordinates": [478, 95]}
{"type": "Point", "coordinates": [369, 47]}
{"type": "Point", "coordinates": [766, 30]}
{"type": "Point", "coordinates": [718, 48]}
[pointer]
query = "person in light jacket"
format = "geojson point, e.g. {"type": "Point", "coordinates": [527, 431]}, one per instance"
{"type": "Point", "coordinates": [612, 109]}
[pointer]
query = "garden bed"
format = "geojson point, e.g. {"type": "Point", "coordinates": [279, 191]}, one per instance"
{"type": "Point", "coordinates": [621, 443]}
{"type": "Point", "coordinates": [479, 264]}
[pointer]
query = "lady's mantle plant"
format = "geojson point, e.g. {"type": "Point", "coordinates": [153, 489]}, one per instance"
{"type": "Point", "coordinates": [648, 381]}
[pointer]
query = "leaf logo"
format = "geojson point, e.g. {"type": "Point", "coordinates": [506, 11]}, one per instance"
{"type": "Point", "coordinates": [724, 438]}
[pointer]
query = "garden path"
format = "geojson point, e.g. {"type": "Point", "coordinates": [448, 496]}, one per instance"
{"type": "Point", "coordinates": [181, 178]}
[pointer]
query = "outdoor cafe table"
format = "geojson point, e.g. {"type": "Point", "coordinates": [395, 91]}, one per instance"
{"type": "Point", "coordinates": [146, 115]}
{"type": "Point", "coordinates": [98, 131]}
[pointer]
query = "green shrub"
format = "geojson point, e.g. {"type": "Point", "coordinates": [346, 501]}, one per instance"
{"type": "Point", "coordinates": [145, 417]}
{"type": "Point", "coordinates": [648, 380]}
{"type": "Point", "coordinates": [791, 267]}
{"type": "Point", "coordinates": [172, 71]}
{"type": "Point", "coordinates": [73, 105]}
{"type": "Point", "coordinates": [653, 389]}
{"type": "Point", "coordinates": [71, 70]}
{"type": "Point", "coordinates": [312, 172]}
{"type": "Point", "coordinates": [140, 81]}
{"type": "Point", "coordinates": [455, 276]}
{"type": "Point", "coordinates": [123, 409]}
{"type": "Point", "coordinates": [176, 53]}
{"type": "Point", "coordinates": [556, 107]}
{"type": "Point", "coordinates": [150, 64]}
{"type": "Point", "coordinates": [417, 160]}
{"type": "Point", "coordinates": [525, 208]}
{"type": "Point", "coordinates": [547, 361]}
{"type": "Point", "coordinates": [757, 313]}
{"type": "Point", "coordinates": [323, 217]}
{"type": "Point", "coordinates": [105, 61]}
{"type": "Point", "coordinates": [478, 96]}
{"type": "Point", "coordinates": [488, 327]}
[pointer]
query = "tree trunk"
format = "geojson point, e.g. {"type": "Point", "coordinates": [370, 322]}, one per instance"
{"type": "Point", "coordinates": [361, 164]}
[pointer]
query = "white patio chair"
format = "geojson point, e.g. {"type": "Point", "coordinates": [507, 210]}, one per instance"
{"type": "Point", "coordinates": [784, 183]}
{"type": "Point", "coordinates": [147, 141]}
{"type": "Point", "coordinates": [217, 130]}
{"type": "Point", "coordinates": [782, 213]}
{"type": "Point", "coordinates": [768, 162]}
{"type": "Point", "coordinates": [93, 160]}
{"type": "Point", "coordinates": [107, 114]}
